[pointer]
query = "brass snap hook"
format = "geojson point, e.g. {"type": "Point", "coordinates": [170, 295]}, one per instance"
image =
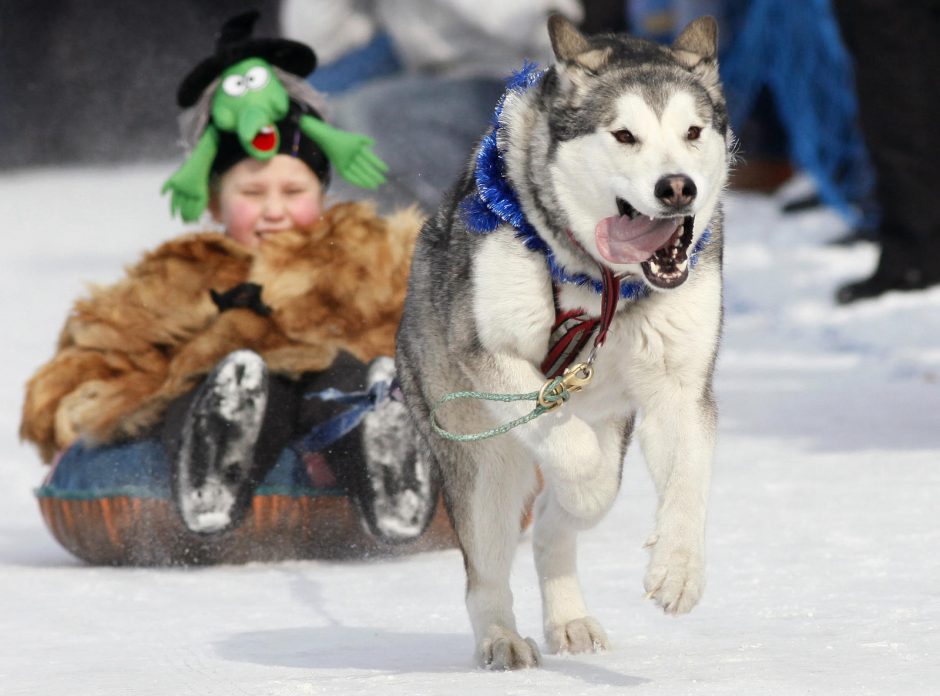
{"type": "Point", "coordinates": [556, 391]}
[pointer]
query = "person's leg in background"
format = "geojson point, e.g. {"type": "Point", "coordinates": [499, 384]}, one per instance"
{"type": "Point", "coordinates": [425, 127]}
{"type": "Point", "coordinates": [897, 61]}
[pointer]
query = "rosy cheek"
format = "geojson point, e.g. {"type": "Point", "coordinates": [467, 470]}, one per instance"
{"type": "Point", "coordinates": [306, 211]}
{"type": "Point", "coordinates": [240, 218]}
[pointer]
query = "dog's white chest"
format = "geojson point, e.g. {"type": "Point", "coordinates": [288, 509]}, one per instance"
{"type": "Point", "coordinates": [654, 345]}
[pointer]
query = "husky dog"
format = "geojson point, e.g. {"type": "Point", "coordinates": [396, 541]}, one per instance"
{"type": "Point", "coordinates": [609, 165]}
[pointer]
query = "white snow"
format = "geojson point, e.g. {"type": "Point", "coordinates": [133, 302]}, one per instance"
{"type": "Point", "coordinates": [824, 533]}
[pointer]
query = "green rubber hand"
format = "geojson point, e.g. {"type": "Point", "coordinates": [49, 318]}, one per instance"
{"type": "Point", "coordinates": [189, 185]}
{"type": "Point", "coordinates": [350, 153]}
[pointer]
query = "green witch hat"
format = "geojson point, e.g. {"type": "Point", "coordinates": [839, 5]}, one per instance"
{"type": "Point", "coordinates": [243, 87]}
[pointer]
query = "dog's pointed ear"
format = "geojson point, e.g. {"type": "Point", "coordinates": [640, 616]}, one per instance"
{"type": "Point", "coordinates": [697, 42]}
{"type": "Point", "coordinates": [567, 41]}
{"type": "Point", "coordinates": [572, 47]}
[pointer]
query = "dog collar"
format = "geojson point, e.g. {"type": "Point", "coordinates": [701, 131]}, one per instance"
{"type": "Point", "coordinates": [495, 202]}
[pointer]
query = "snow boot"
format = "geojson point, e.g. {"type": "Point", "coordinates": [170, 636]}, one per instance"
{"type": "Point", "coordinates": [214, 468]}
{"type": "Point", "coordinates": [400, 494]}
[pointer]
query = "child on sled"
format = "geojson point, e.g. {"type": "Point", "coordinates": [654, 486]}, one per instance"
{"type": "Point", "coordinates": [225, 350]}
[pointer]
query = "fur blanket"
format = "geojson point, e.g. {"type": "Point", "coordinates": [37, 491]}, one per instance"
{"type": "Point", "coordinates": [128, 349]}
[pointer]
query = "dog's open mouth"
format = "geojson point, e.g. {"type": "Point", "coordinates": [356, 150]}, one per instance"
{"type": "Point", "coordinates": [659, 245]}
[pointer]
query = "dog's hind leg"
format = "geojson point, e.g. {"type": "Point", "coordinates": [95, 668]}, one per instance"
{"type": "Point", "coordinates": [487, 487]}
{"type": "Point", "coordinates": [568, 626]}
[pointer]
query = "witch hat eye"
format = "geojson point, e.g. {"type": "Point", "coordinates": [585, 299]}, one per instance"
{"type": "Point", "coordinates": [234, 85]}
{"type": "Point", "coordinates": [257, 77]}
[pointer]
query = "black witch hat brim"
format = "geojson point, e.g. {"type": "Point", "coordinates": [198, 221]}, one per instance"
{"type": "Point", "coordinates": [291, 56]}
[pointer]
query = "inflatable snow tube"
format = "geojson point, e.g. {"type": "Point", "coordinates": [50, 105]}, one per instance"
{"type": "Point", "coordinates": [112, 505]}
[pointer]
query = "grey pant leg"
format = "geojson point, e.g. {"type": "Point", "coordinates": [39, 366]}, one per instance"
{"type": "Point", "coordinates": [425, 129]}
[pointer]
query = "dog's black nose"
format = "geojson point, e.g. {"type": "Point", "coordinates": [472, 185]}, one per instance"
{"type": "Point", "coordinates": [675, 190]}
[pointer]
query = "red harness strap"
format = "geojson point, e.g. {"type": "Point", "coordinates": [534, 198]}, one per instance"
{"type": "Point", "coordinates": [570, 333]}
{"type": "Point", "coordinates": [573, 329]}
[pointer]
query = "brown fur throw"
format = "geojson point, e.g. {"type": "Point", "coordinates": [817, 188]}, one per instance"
{"type": "Point", "coordinates": [128, 349]}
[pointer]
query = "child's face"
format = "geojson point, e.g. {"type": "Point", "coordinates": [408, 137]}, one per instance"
{"type": "Point", "coordinates": [256, 199]}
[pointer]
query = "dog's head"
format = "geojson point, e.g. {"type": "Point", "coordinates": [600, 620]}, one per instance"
{"type": "Point", "coordinates": [633, 148]}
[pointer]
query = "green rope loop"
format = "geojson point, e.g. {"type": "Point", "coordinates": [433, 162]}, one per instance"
{"type": "Point", "coordinates": [549, 396]}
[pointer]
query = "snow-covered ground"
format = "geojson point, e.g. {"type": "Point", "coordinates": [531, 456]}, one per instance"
{"type": "Point", "coordinates": [824, 532]}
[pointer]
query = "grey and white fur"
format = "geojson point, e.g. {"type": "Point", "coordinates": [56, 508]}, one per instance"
{"type": "Point", "coordinates": [479, 311]}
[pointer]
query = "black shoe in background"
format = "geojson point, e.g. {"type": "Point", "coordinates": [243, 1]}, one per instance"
{"type": "Point", "coordinates": [886, 280]}
{"type": "Point", "coordinates": [798, 205]}
{"type": "Point", "coordinates": [857, 235]}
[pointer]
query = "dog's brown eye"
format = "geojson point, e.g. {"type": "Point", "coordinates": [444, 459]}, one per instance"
{"type": "Point", "coordinates": [694, 133]}
{"type": "Point", "coordinates": [624, 136]}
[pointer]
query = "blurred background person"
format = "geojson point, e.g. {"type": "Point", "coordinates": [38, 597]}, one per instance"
{"type": "Point", "coordinates": [93, 82]}
{"type": "Point", "coordinates": [421, 76]}
{"type": "Point", "coordinates": [897, 63]}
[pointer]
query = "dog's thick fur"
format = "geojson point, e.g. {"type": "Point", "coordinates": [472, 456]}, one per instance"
{"type": "Point", "coordinates": [479, 312]}
{"type": "Point", "coordinates": [128, 349]}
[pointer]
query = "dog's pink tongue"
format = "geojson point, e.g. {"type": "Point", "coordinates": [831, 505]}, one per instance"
{"type": "Point", "coordinates": [622, 240]}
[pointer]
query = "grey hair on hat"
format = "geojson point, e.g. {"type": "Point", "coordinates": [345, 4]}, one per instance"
{"type": "Point", "coordinates": [193, 121]}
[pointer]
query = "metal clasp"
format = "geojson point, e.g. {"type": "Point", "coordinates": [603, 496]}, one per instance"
{"type": "Point", "coordinates": [556, 391]}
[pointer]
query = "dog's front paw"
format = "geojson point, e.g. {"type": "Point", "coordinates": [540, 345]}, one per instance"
{"type": "Point", "coordinates": [675, 578]}
{"type": "Point", "coordinates": [503, 648]}
{"type": "Point", "coordinates": [578, 636]}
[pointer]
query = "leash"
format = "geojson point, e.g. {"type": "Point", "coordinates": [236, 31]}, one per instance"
{"type": "Point", "coordinates": [553, 394]}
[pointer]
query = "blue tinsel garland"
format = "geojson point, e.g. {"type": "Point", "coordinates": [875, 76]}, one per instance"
{"type": "Point", "coordinates": [495, 202]}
